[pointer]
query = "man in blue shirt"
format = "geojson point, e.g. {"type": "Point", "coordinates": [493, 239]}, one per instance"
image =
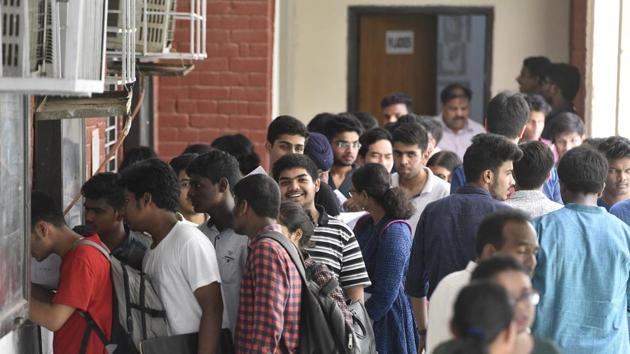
{"type": "Point", "coordinates": [583, 270]}
{"type": "Point", "coordinates": [444, 241]}
{"type": "Point", "coordinates": [617, 152]}
{"type": "Point", "coordinates": [511, 124]}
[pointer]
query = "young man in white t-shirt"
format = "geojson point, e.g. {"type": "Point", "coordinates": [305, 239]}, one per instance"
{"type": "Point", "coordinates": [181, 263]}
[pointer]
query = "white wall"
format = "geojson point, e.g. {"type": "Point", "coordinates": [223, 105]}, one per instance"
{"type": "Point", "coordinates": [313, 46]}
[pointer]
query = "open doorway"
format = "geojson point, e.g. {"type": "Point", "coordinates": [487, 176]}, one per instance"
{"type": "Point", "coordinates": [418, 51]}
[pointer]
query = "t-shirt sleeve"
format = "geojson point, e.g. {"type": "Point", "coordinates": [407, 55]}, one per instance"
{"type": "Point", "coordinates": [76, 281]}
{"type": "Point", "coordinates": [459, 179]}
{"type": "Point", "coordinates": [199, 263]}
{"type": "Point", "coordinates": [353, 271]}
{"type": "Point", "coordinates": [417, 279]}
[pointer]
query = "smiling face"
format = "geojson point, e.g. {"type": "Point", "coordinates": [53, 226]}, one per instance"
{"type": "Point", "coordinates": [298, 186]}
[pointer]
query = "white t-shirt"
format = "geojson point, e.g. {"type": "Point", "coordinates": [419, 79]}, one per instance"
{"type": "Point", "coordinates": [442, 303]}
{"type": "Point", "coordinates": [181, 263]}
{"type": "Point", "coordinates": [435, 188]}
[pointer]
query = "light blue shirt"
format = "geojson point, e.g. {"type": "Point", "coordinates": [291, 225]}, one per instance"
{"type": "Point", "coordinates": [582, 275]}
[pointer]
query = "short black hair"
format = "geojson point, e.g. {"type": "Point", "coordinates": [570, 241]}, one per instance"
{"type": "Point", "coordinates": [593, 142]}
{"type": "Point", "coordinates": [537, 66]}
{"type": "Point", "coordinates": [372, 136]}
{"type": "Point", "coordinates": [615, 147]}
{"type": "Point", "coordinates": [215, 165]}
{"type": "Point", "coordinates": [566, 77]}
{"type": "Point", "coordinates": [341, 124]}
{"type": "Point", "coordinates": [45, 208]}
{"type": "Point", "coordinates": [566, 122]}
{"type": "Point", "coordinates": [155, 177]}
{"type": "Point", "coordinates": [239, 146]}
{"type": "Point", "coordinates": [181, 162]}
{"type": "Point", "coordinates": [198, 149]}
{"type": "Point", "coordinates": [537, 103]}
{"type": "Point", "coordinates": [319, 122]}
{"type": "Point", "coordinates": [446, 159]}
{"type": "Point", "coordinates": [285, 125]}
{"type": "Point", "coordinates": [137, 154]}
{"type": "Point", "coordinates": [583, 170]}
{"type": "Point", "coordinates": [397, 98]}
{"type": "Point", "coordinates": [261, 193]}
{"type": "Point", "coordinates": [368, 121]}
{"type": "Point", "coordinates": [490, 231]}
{"type": "Point", "coordinates": [507, 114]}
{"type": "Point", "coordinates": [488, 152]}
{"type": "Point", "coordinates": [432, 127]}
{"type": "Point", "coordinates": [411, 134]}
{"type": "Point", "coordinates": [488, 269]}
{"type": "Point", "coordinates": [375, 180]}
{"type": "Point", "coordinates": [290, 161]}
{"type": "Point", "coordinates": [105, 185]}
{"type": "Point", "coordinates": [294, 217]}
{"type": "Point", "coordinates": [531, 171]}
{"type": "Point", "coordinates": [455, 90]}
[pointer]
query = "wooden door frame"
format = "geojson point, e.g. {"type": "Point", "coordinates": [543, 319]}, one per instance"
{"type": "Point", "coordinates": [354, 12]}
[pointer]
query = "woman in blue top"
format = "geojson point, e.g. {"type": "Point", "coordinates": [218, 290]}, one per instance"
{"type": "Point", "coordinates": [385, 240]}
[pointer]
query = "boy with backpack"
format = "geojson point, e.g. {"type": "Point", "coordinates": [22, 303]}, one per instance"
{"type": "Point", "coordinates": [84, 282]}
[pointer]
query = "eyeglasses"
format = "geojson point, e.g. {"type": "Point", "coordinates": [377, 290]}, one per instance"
{"type": "Point", "coordinates": [532, 297]}
{"type": "Point", "coordinates": [346, 144]}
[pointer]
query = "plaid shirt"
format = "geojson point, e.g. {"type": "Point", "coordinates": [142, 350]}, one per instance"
{"type": "Point", "coordinates": [271, 291]}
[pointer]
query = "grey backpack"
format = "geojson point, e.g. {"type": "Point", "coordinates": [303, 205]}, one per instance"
{"type": "Point", "coordinates": [323, 328]}
{"type": "Point", "coordinates": [138, 309]}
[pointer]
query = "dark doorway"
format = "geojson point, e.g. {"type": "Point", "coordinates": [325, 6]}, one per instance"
{"type": "Point", "coordinates": [418, 50]}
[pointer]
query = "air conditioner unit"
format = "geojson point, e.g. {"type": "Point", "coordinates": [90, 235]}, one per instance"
{"type": "Point", "coordinates": [156, 21]}
{"type": "Point", "coordinates": [53, 47]}
{"type": "Point", "coordinates": [121, 42]}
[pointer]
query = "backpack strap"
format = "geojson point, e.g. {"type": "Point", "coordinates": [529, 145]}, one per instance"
{"type": "Point", "coordinates": [392, 222]}
{"type": "Point", "coordinates": [293, 252]}
{"type": "Point", "coordinates": [91, 324]}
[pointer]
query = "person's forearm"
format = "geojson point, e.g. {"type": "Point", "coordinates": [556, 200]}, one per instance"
{"type": "Point", "coordinates": [419, 305]}
{"type": "Point", "coordinates": [355, 293]}
{"type": "Point", "coordinates": [42, 313]}
{"type": "Point", "coordinates": [209, 333]}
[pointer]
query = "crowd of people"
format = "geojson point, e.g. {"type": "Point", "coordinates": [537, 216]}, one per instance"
{"type": "Point", "coordinates": [504, 235]}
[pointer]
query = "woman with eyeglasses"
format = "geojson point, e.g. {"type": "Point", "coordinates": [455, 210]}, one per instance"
{"type": "Point", "coordinates": [482, 321]}
{"type": "Point", "coordinates": [385, 240]}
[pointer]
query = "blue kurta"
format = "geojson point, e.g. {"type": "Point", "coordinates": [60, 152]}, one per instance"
{"type": "Point", "coordinates": [582, 275]}
{"type": "Point", "coordinates": [386, 258]}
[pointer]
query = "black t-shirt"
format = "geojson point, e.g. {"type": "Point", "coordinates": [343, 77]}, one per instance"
{"type": "Point", "coordinates": [326, 198]}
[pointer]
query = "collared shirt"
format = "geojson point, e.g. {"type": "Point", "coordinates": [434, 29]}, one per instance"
{"type": "Point", "coordinates": [231, 250]}
{"type": "Point", "coordinates": [345, 186]}
{"type": "Point", "coordinates": [209, 229]}
{"type": "Point", "coordinates": [582, 275]}
{"type": "Point", "coordinates": [459, 141]}
{"type": "Point", "coordinates": [132, 249]}
{"type": "Point", "coordinates": [622, 211]}
{"type": "Point", "coordinates": [442, 303]}
{"type": "Point", "coordinates": [551, 188]}
{"type": "Point", "coordinates": [533, 202]}
{"type": "Point", "coordinates": [336, 247]}
{"type": "Point", "coordinates": [445, 237]}
{"type": "Point", "coordinates": [271, 292]}
{"type": "Point", "coordinates": [602, 203]}
{"type": "Point", "coordinates": [435, 188]}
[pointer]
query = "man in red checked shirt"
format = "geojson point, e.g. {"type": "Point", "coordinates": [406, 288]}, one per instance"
{"type": "Point", "coordinates": [84, 281]}
{"type": "Point", "coordinates": [271, 290]}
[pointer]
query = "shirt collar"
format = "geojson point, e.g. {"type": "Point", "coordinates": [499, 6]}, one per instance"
{"type": "Point", "coordinates": [585, 208]}
{"type": "Point", "coordinates": [528, 194]}
{"type": "Point", "coordinates": [470, 189]}
{"type": "Point", "coordinates": [470, 267]}
{"type": "Point", "coordinates": [269, 228]}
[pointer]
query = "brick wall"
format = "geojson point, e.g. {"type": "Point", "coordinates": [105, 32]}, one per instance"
{"type": "Point", "coordinates": [230, 91]}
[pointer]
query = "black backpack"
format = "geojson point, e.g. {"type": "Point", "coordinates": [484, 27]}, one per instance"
{"type": "Point", "coordinates": [323, 328]}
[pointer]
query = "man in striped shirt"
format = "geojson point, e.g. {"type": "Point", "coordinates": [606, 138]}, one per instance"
{"type": "Point", "coordinates": [334, 243]}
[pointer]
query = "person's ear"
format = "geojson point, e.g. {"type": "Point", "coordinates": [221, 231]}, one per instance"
{"type": "Point", "coordinates": [426, 154]}
{"type": "Point", "coordinates": [317, 183]}
{"type": "Point", "coordinates": [488, 250]}
{"type": "Point", "coordinates": [224, 185]}
{"type": "Point", "coordinates": [268, 146]}
{"type": "Point", "coordinates": [119, 215]}
{"type": "Point", "coordinates": [487, 176]}
{"type": "Point", "coordinates": [601, 192]}
{"type": "Point", "coordinates": [41, 229]}
{"type": "Point", "coordinates": [297, 236]}
{"type": "Point", "coordinates": [147, 198]}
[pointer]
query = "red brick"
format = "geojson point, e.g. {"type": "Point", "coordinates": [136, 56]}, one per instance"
{"type": "Point", "coordinates": [258, 109]}
{"type": "Point", "coordinates": [208, 135]}
{"type": "Point", "coordinates": [186, 106]}
{"type": "Point", "coordinates": [166, 106]}
{"type": "Point", "coordinates": [250, 7]}
{"type": "Point", "coordinates": [218, 7]}
{"type": "Point", "coordinates": [249, 36]}
{"type": "Point", "coordinates": [249, 65]}
{"type": "Point", "coordinates": [167, 134]}
{"type": "Point", "coordinates": [208, 78]}
{"type": "Point", "coordinates": [234, 79]}
{"type": "Point", "coordinates": [259, 135]}
{"type": "Point", "coordinates": [211, 64]}
{"type": "Point", "coordinates": [259, 79]}
{"type": "Point", "coordinates": [247, 122]}
{"type": "Point", "coordinates": [173, 120]}
{"type": "Point", "coordinates": [188, 134]}
{"type": "Point", "coordinates": [259, 23]}
{"type": "Point", "coordinates": [243, 50]}
{"type": "Point", "coordinates": [214, 21]}
{"type": "Point", "coordinates": [220, 35]}
{"type": "Point", "coordinates": [204, 92]}
{"type": "Point", "coordinates": [259, 50]}
{"type": "Point", "coordinates": [233, 107]}
{"type": "Point", "coordinates": [168, 150]}
{"type": "Point", "coordinates": [208, 121]}
{"type": "Point", "coordinates": [249, 94]}
{"type": "Point", "coordinates": [234, 22]}
{"type": "Point", "coordinates": [173, 91]}
{"type": "Point", "coordinates": [206, 106]}
{"type": "Point", "coordinates": [223, 50]}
